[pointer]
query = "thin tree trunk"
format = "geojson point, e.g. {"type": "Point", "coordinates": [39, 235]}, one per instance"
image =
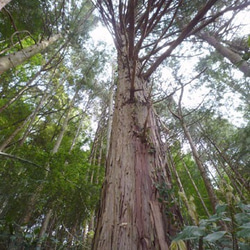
{"type": "Point", "coordinates": [97, 141]}
{"type": "Point", "coordinates": [201, 168]}
{"type": "Point", "coordinates": [65, 124]}
{"type": "Point", "coordinates": [234, 181]}
{"type": "Point", "coordinates": [14, 59]}
{"type": "Point", "coordinates": [3, 3]}
{"type": "Point", "coordinates": [131, 216]}
{"type": "Point", "coordinates": [33, 116]}
{"type": "Point", "coordinates": [54, 151]}
{"type": "Point", "coordinates": [43, 229]}
{"type": "Point", "coordinates": [196, 189]}
{"type": "Point", "coordinates": [190, 211]}
{"type": "Point", "coordinates": [230, 164]}
{"type": "Point", "coordinates": [12, 136]}
{"type": "Point", "coordinates": [78, 131]}
{"type": "Point", "coordinates": [28, 85]}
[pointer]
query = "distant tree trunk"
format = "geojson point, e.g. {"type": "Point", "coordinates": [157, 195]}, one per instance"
{"type": "Point", "coordinates": [28, 85]}
{"type": "Point", "coordinates": [233, 57]}
{"type": "Point", "coordinates": [131, 216]}
{"type": "Point", "coordinates": [32, 118]}
{"type": "Point", "coordinates": [65, 124]}
{"type": "Point", "coordinates": [184, 197]}
{"type": "Point", "coordinates": [12, 136]}
{"type": "Point", "coordinates": [196, 189]}
{"type": "Point", "coordinates": [232, 166]}
{"type": "Point", "coordinates": [82, 116]}
{"type": "Point", "coordinates": [3, 3]}
{"type": "Point", "coordinates": [54, 151]}
{"type": "Point", "coordinates": [203, 171]}
{"type": "Point", "coordinates": [44, 229]}
{"type": "Point", "coordinates": [14, 59]}
{"type": "Point", "coordinates": [219, 166]}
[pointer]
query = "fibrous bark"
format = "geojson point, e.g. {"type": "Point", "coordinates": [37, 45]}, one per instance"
{"type": "Point", "coordinates": [131, 216]}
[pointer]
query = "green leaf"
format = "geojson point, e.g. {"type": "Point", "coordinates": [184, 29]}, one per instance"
{"type": "Point", "coordinates": [242, 218]}
{"type": "Point", "coordinates": [227, 219]}
{"type": "Point", "coordinates": [245, 232]}
{"type": "Point", "coordinates": [214, 236]}
{"type": "Point", "coordinates": [190, 232]}
{"type": "Point", "coordinates": [246, 225]}
{"type": "Point", "coordinates": [214, 218]}
{"type": "Point", "coordinates": [221, 208]}
{"type": "Point", "coordinates": [245, 207]}
{"type": "Point", "coordinates": [243, 246]}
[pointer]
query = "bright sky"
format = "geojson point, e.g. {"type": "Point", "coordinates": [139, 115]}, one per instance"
{"type": "Point", "coordinates": [190, 99]}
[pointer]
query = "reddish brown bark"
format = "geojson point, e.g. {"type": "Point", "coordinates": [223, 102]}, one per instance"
{"type": "Point", "coordinates": [131, 216]}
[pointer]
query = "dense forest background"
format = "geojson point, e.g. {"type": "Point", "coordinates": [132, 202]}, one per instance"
{"type": "Point", "coordinates": [57, 89]}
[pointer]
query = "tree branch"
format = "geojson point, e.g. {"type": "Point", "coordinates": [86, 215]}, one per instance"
{"type": "Point", "coordinates": [21, 159]}
{"type": "Point", "coordinates": [181, 37]}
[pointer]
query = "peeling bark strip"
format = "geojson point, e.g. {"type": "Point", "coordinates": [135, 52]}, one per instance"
{"type": "Point", "coordinates": [14, 59]}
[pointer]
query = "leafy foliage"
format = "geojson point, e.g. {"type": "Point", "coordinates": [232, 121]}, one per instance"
{"type": "Point", "coordinates": [210, 231]}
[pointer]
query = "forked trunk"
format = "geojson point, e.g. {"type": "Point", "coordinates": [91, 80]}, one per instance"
{"type": "Point", "coordinates": [130, 216]}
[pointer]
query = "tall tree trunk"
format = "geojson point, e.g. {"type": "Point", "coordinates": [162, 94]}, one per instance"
{"type": "Point", "coordinates": [131, 217]}
{"type": "Point", "coordinates": [3, 3]}
{"type": "Point", "coordinates": [191, 211]}
{"type": "Point", "coordinates": [200, 165]}
{"type": "Point", "coordinates": [196, 189]}
{"type": "Point", "coordinates": [54, 151]}
{"type": "Point", "coordinates": [202, 169]}
{"type": "Point", "coordinates": [65, 123]}
{"type": "Point", "coordinates": [14, 59]}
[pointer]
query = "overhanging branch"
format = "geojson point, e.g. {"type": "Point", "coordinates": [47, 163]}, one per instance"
{"type": "Point", "coordinates": [21, 159]}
